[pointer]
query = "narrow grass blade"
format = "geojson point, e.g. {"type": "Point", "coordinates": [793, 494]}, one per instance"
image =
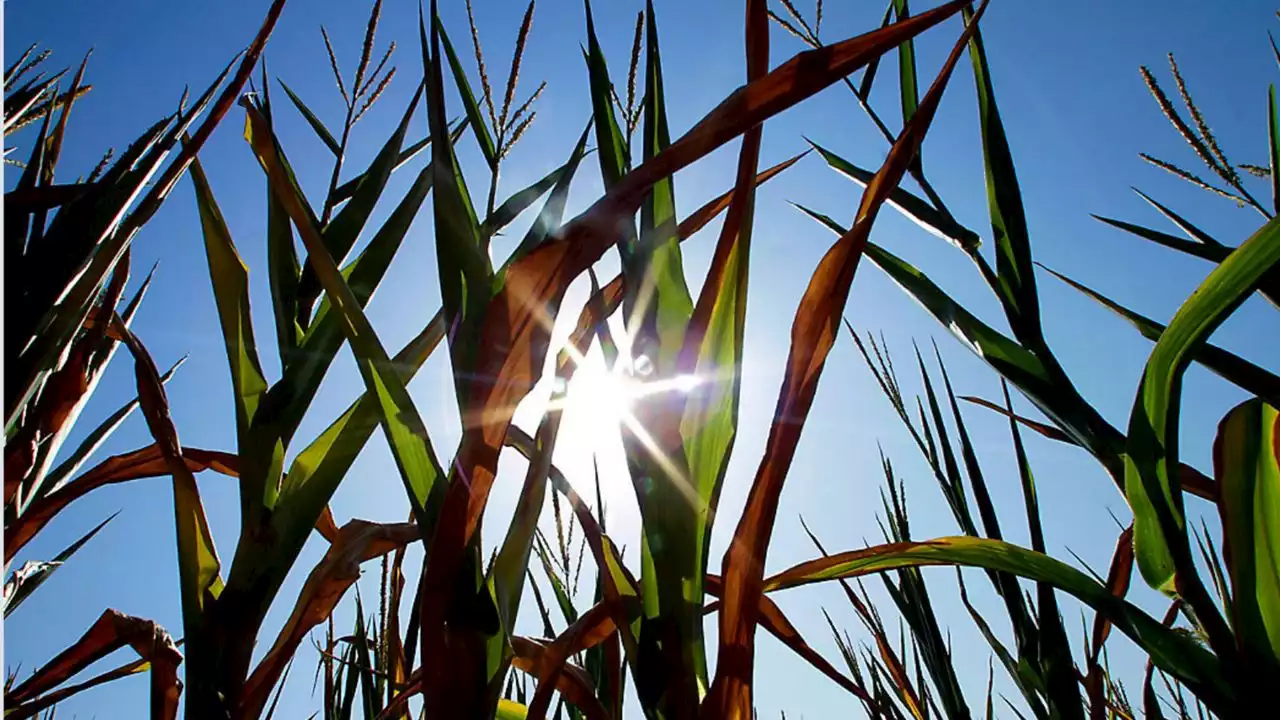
{"type": "Point", "coordinates": [908, 88]}
{"type": "Point", "coordinates": [552, 213]}
{"type": "Point", "coordinates": [1212, 253]}
{"type": "Point", "coordinates": [520, 201]}
{"type": "Point", "coordinates": [1056, 667]}
{"type": "Point", "coordinates": [1273, 147]}
{"type": "Point", "coordinates": [344, 191]}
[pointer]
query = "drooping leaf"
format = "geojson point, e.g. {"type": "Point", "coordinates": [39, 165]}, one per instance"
{"type": "Point", "coordinates": [357, 542]}
{"type": "Point", "coordinates": [112, 631]}
{"type": "Point", "coordinates": [198, 565]}
{"type": "Point", "coordinates": [1172, 651]}
{"type": "Point", "coordinates": [143, 463]}
{"type": "Point", "coordinates": [1160, 535]}
{"type": "Point", "coordinates": [1247, 468]}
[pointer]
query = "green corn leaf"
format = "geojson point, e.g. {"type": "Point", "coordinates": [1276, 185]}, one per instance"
{"type": "Point", "coordinates": [552, 212]}
{"type": "Point", "coordinates": [611, 146]}
{"type": "Point", "coordinates": [912, 207]}
{"type": "Point", "coordinates": [320, 130]}
{"type": "Point", "coordinates": [1064, 406]}
{"type": "Point", "coordinates": [1247, 468]}
{"type": "Point", "coordinates": [511, 565]}
{"type": "Point", "coordinates": [1212, 253]}
{"type": "Point", "coordinates": [317, 470]}
{"type": "Point", "coordinates": [406, 433]}
{"type": "Point", "coordinates": [284, 273]}
{"type": "Point", "coordinates": [1171, 650]}
{"type": "Point", "coordinates": [230, 279]}
{"type": "Point", "coordinates": [364, 661]}
{"type": "Point", "coordinates": [343, 230]}
{"type": "Point", "coordinates": [657, 309]}
{"type": "Point", "coordinates": [464, 265]}
{"type": "Point", "coordinates": [1227, 365]}
{"type": "Point", "coordinates": [283, 270]}
{"type": "Point", "coordinates": [199, 569]}
{"type": "Point", "coordinates": [511, 208]}
{"type": "Point", "coordinates": [32, 575]}
{"type": "Point", "coordinates": [1016, 282]}
{"type": "Point", "coordinates": [344, 191]}
{"type": "Point", "coordinates": [1160, 536]}
{"type": "Point", "coordinates": [363, 274]}
{"type": "Point", "coordinates": [908, 88]}
{"type": "Point", "coordinates": [657, 303]}
{"type": "Point", "coordinates": [1200, 245]}
{"type": "Point", "coordinates": [474, 116]}
{"type": "Point", "coordinates": [512, 561]}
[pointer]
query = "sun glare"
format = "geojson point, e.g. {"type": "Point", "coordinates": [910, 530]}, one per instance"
{"type": "Point", "coordinates": [599, 401]}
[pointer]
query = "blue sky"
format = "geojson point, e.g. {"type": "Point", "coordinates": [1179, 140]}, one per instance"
{"type": "Point", "coordinates": [1076, 112]}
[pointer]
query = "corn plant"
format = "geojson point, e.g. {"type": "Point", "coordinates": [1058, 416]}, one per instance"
{"type": "Point", "coordinates": [1230, 672]}
{"type": "Point", "coordinates": [67, 264]}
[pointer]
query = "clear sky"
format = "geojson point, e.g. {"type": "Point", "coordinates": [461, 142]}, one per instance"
{"type": "Point", "coordinates": [1076, 113]}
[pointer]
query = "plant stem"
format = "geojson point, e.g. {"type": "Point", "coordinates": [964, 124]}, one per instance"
{"type": "Point", "coordinates": [337, 168]}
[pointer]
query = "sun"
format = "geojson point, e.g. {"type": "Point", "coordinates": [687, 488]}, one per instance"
{"type": "Point", "coordinates": [599, 401]}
